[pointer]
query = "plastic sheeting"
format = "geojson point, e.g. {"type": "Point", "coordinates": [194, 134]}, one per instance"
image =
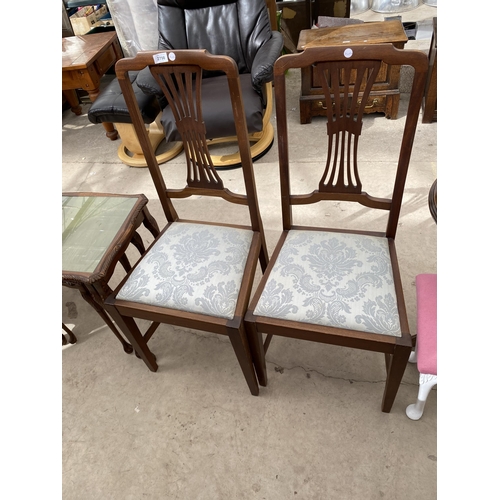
{"type": "Point", "coordinates": [394, 6]}
{"type": "Point", "coordinates": [136, 24]}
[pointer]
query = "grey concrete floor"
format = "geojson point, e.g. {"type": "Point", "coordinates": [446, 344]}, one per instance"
{"type": "Point", "coordinates": [192, 430]}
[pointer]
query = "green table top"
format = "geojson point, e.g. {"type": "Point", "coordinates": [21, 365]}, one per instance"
{"type": "Point", "coordinates": [89, 225]}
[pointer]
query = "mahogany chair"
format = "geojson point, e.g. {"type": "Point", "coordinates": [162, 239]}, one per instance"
{"type": "Point", "coordinates": [198, 273]}
{"type": "Point", "coordinates": [327, 282]}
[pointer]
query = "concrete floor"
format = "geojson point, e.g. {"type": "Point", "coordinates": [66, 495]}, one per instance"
{"type": "Point", "coordinates": [192, 430]}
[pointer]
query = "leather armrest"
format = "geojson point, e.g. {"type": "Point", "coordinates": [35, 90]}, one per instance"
{"type": "Point", "coordinates": [263, 63]}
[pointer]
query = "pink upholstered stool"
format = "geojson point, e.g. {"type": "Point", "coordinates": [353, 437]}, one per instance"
{"type": "Point", "coordinates": [426, 349]}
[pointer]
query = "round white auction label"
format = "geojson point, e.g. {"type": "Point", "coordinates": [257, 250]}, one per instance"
{"type": "Point", "coordinates": [171, 56]}
{"type": "Point", "coordinates": [348, 52]}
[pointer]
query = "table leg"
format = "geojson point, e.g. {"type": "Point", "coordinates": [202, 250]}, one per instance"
{"type": "Point", "coordinates": [86, 294]}
{"type": "Point", "coordinates": [138, 243]}
{"type": "Point", "coordinates": [111, 132]}
{"type": "Point", "coordinates": [72, 98]}
{"type": "Point", "coordinates": [71, 335]}
{"type": "Point", "coordinates": [150, 222]}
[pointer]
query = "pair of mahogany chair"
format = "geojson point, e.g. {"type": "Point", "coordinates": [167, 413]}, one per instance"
{"type": "Point", "coordinates": [323, 283]}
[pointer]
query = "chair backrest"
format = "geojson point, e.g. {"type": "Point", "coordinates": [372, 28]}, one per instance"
{"type": "Point", "coordinates": [343, 72]}
{"type": "Point", "coordinates": [236, 28]}
{"type": "Point", "coordinates": [179, 75]}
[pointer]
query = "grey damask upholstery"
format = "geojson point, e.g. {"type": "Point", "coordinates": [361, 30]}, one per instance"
{"type": "Point", "coordinates": [335, 279]}
{"type": "Point", "coordinates": [192, 267]}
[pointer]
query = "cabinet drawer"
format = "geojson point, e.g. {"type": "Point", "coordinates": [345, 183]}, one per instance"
{"type": "Point", "coordinates": [315, 106]}
{"type": "Point", "coordinates": [106, 60]}
{"type": "Point", "coordinates": [381, 81]}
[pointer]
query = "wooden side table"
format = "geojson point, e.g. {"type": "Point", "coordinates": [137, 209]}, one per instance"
{"type": "Point", "coordinates": [385, 93]}
{"type": "Point", "coordinates": [85, 59]}
{"type": "Point", "coordinates": [96, 231]}
{"type": "Point", "coordinates": [429, 103]}
{"type": "Point", "coordinates": [433, 201]}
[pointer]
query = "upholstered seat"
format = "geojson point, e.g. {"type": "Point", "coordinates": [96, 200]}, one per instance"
{"type": "Point", "coordinates": [333, 279]}
{"type": "Point", "coordinates": [426, 348]}
{"type": "Point", "coordinates": [192, 267]}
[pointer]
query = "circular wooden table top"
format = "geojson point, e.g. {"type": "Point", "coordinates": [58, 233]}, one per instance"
{"type": "Point", "coordinates": [433, 201]}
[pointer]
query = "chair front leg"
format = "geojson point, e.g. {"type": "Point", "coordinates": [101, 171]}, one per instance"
{"type": "Point", "coordinates": [396, 366]}
{"type": "Point", "coordinates": [256, 345]}
{"type": "Point", "coordinates": [239, 341]}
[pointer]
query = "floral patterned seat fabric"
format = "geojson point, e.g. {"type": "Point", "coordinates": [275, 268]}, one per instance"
{"type": "Point", "coordinates": [192, 267]}
{"type": "Point", "coordinates": [335, 279]}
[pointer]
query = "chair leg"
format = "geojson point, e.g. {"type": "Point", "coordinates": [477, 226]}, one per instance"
{"type": "Point", "coordinates": [427, 382]}
{"type": "Point", "coordinates": [396, 366]}
{"type": "Point", "coordinates": [256, 344]}
{"type": "Point", "coordinates": [240, 345]}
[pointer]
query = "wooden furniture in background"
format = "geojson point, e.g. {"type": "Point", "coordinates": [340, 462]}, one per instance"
{"type": "Point", "coordinates": [385, 94]}
{"type": "Point", "coordinates": [433, 200]}
{"type": "Point", "coordinates": [96, 231]}
{"type": "Point", "coordinates": [429, 102]}
{"type": "Point", "coordinates": [298, 15]}
{"type": "Point", "coordinates": [85, 59]}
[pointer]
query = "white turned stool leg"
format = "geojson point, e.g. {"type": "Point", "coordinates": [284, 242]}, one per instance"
{"type": "Point", "coordinates": [413, 356]}
{"type": "Point", "coordinates": [427, 382]}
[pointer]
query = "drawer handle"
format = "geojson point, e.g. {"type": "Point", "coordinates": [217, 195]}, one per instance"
{"type": "Point", "coordinates": [372, 105]}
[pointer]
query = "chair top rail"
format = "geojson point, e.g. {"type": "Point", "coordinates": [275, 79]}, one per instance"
{"type": "Point", "coordinates": [339, 63]}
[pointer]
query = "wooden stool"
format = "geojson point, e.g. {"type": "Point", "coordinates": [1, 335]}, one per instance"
{"type": "Point", "coordinates": [426, 351]}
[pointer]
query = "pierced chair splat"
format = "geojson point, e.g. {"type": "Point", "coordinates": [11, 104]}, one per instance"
{"type": "Point", "coordinates": [335, 284]}
{"type": "Point", "coordinates": [198, 273]}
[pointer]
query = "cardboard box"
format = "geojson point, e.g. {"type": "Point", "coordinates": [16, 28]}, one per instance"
{"type": "Point", "coordinates": [85, 19]}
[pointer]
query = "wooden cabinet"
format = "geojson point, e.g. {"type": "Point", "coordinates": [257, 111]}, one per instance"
{"type": "Point", "coordinates": [385, 94]}
{"type": "Point", "coordinates": [429, 102]}
{"type": "Point", "coordinates": [297, 15]}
